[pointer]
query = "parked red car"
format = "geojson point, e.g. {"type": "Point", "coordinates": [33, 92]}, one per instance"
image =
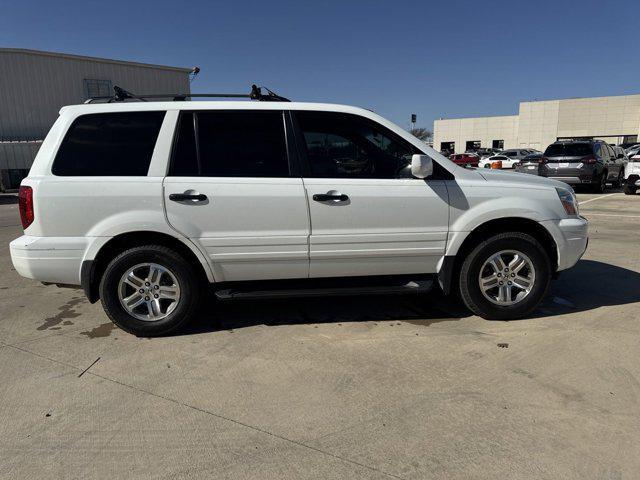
{"type": "Point", "coordinates": [465, 159]}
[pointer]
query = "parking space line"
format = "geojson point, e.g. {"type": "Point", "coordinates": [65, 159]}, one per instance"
{"type": "Point", "coordinates": [610, 215]}
{"type": "Point", "coordinates": [597, 198]}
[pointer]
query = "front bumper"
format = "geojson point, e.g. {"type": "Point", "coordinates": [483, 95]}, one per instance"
{"type": "Point", "coordinates": [571, 237]}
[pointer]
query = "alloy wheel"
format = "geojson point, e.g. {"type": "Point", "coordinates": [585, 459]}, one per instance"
{"type": "Point", "coordinates": [507, 277]}
{"type": "Point", "coordinates": [149, 292]}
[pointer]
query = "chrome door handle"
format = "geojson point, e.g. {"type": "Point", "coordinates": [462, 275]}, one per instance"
{"type": "Point", "coordinates": [330, 195]}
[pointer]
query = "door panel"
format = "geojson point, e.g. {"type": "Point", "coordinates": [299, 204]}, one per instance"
{"type": "Point", "coordinates": [386, 227]}
{"type": "Point", "coordinates": [250, 228]}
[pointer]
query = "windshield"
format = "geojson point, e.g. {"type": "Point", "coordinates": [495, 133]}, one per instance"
{"type": "Point", "coordinates": [568, 150]}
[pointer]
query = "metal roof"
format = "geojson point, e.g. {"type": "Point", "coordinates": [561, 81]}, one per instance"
{"type": "Point", "coordinates": [26, 51]}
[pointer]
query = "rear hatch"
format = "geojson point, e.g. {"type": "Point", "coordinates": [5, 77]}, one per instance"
{"type": "Point", "coordinates": [567, 159]}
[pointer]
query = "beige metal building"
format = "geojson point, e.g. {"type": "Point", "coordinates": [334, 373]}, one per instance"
{"type": "Point", "coordinates": [35, 84]}
{"type": "Point", "coordinates": [613, 119]}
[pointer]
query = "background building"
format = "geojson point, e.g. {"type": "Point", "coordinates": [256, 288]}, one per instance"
{"type": "Point", "coordinates": [613, 119]}
{"type": "Point", "coordinates": [34, 85]}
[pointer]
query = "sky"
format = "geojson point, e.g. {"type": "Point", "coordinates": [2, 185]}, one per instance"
{"type": "Point", "coordinates": [435, 59]}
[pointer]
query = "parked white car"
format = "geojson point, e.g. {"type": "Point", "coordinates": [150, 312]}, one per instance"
{"type": "Point", "coordinates": [508, 158]}
{"type": "Point", "coordinates": [145, 203]}
{"type": "Point", "coordinates": [633, 150]}
{"type": "Point", "coordinates": [632, 175]}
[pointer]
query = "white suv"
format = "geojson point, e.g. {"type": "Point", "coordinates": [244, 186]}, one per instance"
{"type": "Point", "coordinates": [632, 174]}
{"type": "Point", "coordinates": [145, 203]}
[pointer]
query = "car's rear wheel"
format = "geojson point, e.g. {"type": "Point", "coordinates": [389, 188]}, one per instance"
{"type": "Point", "coordinates": [149, 290]}
{"type": "Point", "coordinates": [505, 277]}
{"type": "Point", "coordinates": [620, 180]}
{"type": "Point", "coordinates": [601, 185]}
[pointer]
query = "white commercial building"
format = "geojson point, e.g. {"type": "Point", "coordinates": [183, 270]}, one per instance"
{"type": "Point", "coordinates": [35, 84]}
{"type": "Point", "coordinates": [538, 124]}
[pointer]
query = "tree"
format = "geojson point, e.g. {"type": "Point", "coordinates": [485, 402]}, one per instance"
{"type": "Point", "coordinates": [422, 133]}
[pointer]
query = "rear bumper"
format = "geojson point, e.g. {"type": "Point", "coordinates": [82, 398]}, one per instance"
{"type": "Point", "coordinates": [571, 236]}
{"type": "Point", "coordinates": [572, 176]}
{"type": "Point", "coordinates": [48, 259]}
{"type": "Point", "coordinates": [581, 180]}
{"type": "Point", "coordinates": [569, 180]}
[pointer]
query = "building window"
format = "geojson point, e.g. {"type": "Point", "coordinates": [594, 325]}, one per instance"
{"type": "Point", "coordinates": [499, 144]}
{"type": "Point", "coordinates": [97, 88]}
{"type": "Point", "coordinates": [447, 148]}
{"type": "Point", "coordinates": [473, 145]}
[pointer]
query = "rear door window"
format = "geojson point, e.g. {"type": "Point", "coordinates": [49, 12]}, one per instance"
{"type": "Point", "coordinates": [230, 143]}
{"type": "Point", "coordinates": [109, 144]}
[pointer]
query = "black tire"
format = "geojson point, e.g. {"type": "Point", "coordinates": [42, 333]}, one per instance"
{"type": "Point", "coordinates": [470, 290]}
{"type": "Point", "coordinates": [617, 183]}
{"type": "Point", "coordinates": [630, 189]}
{"type": "Point", "coordinates": [187, 279]}
{"type": "Point", "coordinates": [602, 183]}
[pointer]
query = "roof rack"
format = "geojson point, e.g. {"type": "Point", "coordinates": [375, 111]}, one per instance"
{"type": "Point", "coordinates": [121, 95]}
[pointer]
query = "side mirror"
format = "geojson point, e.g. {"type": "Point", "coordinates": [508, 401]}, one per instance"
{"type": "Point", "coordinates": [421, 166]}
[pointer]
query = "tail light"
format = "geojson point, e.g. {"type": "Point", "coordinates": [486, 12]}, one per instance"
{"type": "Point", "coordinates": [25, 204]}
{"type": "Point", "coordinates": [590, 160]}
{"type": "Point", "coordinates": [543, 160]}
{"type": "Point", "coordinates": [635, 158]}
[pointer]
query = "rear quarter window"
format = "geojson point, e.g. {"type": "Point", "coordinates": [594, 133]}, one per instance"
{"type": "Point", "coordinates": [109, 144]}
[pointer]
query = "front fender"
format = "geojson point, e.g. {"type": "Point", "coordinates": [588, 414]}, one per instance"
{"type": "Point", "coordinates": [481, 211]}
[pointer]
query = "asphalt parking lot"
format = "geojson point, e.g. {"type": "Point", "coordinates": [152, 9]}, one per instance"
{"type": "Point", "coordinates": [384, 387]}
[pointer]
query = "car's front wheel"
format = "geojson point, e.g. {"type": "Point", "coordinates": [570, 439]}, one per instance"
{"type": "Point", "coordinates": [149, 290]}
{"type": "Point", "coordinates": [505, 277]}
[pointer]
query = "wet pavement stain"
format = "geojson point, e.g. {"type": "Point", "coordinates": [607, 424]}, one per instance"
{"type": "Point", "coordinates": [66, 311]}
{"type": "Point", "coordinates": [100, 331]}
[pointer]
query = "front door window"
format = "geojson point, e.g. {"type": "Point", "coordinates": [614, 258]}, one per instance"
{"type": "Point", "coordinates": [347, 146]}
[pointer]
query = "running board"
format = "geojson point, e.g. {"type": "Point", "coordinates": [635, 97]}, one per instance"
{"type": "Point", "coordinates": [413, 287]}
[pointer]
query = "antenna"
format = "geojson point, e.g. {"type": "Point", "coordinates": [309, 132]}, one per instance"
{"type": "Point", "coordinates": [193, 74]}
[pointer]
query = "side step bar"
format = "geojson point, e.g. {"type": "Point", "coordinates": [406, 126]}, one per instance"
{"type": "Point", "coordinates": [416, 287]}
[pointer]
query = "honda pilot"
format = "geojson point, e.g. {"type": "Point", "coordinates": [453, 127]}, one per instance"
{"type": "Point", "coordinates": [150, 206]}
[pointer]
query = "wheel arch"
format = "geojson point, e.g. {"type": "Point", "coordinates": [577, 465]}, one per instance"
{"type": "Point", "coordinates": [92, 269]}
{"type": "Point", "coordinates": [452, 261]}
